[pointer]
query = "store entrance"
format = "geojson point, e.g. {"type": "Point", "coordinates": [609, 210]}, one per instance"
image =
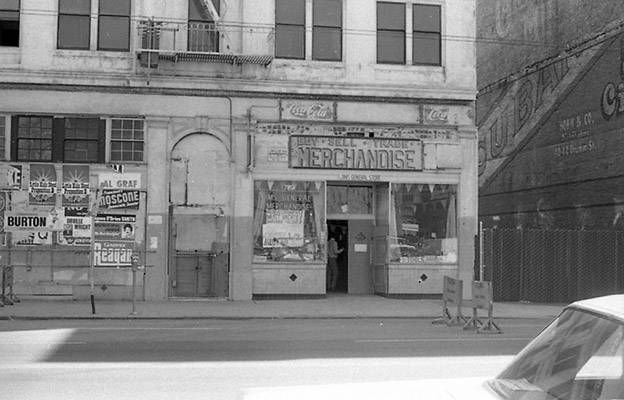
{"type": "Point", "coordinates": [354, 268]}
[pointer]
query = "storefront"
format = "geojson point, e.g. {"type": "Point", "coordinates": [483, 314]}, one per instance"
{"type": "Point", "coordinates": [398, 199]}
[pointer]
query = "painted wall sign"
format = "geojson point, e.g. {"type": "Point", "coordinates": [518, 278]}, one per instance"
{"type": "Point", "coordinates": [75, 185]}
{"type": "Point", "coordinates": [326, 152]}
{"type": "Point", "coordinates": [119, 181]}
{"type": "Point", "coordinates": [435, 115]}
{"type": "Point", "coordinates": [307, 110]}
{"type": "Point", "coordinates": [42, 186]}
{"type": "Point", "coordinates": [115, 199]}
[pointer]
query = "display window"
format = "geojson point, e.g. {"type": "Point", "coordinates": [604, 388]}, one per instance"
{"type": "Point", "coordinates": [423, 224]}
{"type": "Point", "coordinates": [289, 218]}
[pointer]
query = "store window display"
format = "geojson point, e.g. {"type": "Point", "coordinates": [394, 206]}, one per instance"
{"type": "Point", "coordinates": [289, 219]}
{"type": "Point", "coordinates": [423, 224]}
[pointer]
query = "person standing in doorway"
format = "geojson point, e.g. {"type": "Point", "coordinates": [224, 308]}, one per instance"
{"type": "Point", "coordinates": [332, 264]}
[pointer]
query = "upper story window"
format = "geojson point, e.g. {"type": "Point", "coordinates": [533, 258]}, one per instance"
{"type": "Point", "coordinates": [46, 138]}
{"type": "Point", "coordinates": [424, 23]}
{"type": "Point", "coordinates": [202, 32]}
{"type": "Point", "coordinates": [127, 138]}
{"type": "Point", "coordinates": [327, 30]}
{"type": "Point", "coordinates": [74, 24]}
{"type": "Point", "coordinates": [390, 33]}
{"type": "Point", "coordinates": [290, 29]}
{"type": "Point", "coordinates": [325, 24]}
{"type": "Point", "coordinates": [9, 23]}
{"type": "Point", "coordinates": [113, 25]}
{"type": "Point", "coordinates": [426, 37]}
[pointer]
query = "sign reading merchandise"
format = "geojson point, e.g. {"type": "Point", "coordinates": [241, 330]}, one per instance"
{"type": "Point", "coordinates": [42, 185]}
{"type": "Point", "coordinates": [113, 243]}
{"type": "Point", "coordinates": [328, 152]}
{"type": "Point", "coordinates": [119, 199]}
{"type": "Point", "coordinates": [75, 185]}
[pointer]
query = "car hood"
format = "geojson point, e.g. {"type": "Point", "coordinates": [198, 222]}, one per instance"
{"type": "Point", "coordinates": [437, 389]}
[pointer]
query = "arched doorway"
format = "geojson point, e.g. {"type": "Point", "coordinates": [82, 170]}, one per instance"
{"type": "Point", "coordinates": [199, 197]}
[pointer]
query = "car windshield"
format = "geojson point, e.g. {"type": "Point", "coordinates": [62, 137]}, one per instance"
{"type": "Point", "coordinates": [579, 356]}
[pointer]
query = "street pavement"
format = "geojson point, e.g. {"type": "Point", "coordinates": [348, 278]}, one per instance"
{"type": "Point", "coordinates": [332, 306]}
{"type": "Point", "coordinates": [244, 359]}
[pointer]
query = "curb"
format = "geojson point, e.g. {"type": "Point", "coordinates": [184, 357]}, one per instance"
{"type": "Point", "coordinates": [234, 318]}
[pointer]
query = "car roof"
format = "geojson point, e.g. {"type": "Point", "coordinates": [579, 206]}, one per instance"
{"type": "Point", "coordinates": [609, 305]}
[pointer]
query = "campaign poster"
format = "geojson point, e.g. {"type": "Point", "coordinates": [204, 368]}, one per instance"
{"type": "Point", "coordinates": [10, 176]}
{"type": "Point", "coordinates": [119, 199]}
{"type": "Point", "coordinates": [112, 253]}
{"type": "Point", "coordinates": [283, 228]}
{"type": "Point", "coordinates": [35, 221]}
{"type": "Point", "coordinates": [76, 211]}
{"type": "Point", "coordinates": [75, 185]}
{"type": "Point", "coordinates": [76, 231]}
{"type": "Point", "coordinates": [42, 185]}
{"type": "Point", "coordinates": [25, 238]}
{"type": "Point", "coordinates": [113, 236]}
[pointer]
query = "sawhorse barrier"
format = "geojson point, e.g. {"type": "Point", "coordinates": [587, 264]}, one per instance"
{"type": "Point", "coordinates": [482, 299]}
{"type": "Point", "coordinates": [452, 294]}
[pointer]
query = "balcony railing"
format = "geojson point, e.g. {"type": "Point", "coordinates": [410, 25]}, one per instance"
{"type": "Point", "coordinates": [196, 41]}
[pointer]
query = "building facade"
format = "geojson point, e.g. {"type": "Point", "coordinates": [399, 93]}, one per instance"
{"type": "Point", "coordinates": [224, 142]}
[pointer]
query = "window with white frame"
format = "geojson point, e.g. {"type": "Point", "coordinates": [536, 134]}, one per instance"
{"type": "Point", "coordinates": [9, 23]}
{"type": "Point", "coordinates": [127, 140]}
{"type": "Point", "coordinates": [293, 24]}
{"type": "Point", "coordinates": [423, 21]}
{"type": "Point", "coordinates": [113, 25]}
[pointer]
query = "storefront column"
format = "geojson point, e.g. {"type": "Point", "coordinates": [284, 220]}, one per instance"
{"type": "Point", "coordinates": [157, 210]}
{"type": "Point", "coordinates": [468, 207]}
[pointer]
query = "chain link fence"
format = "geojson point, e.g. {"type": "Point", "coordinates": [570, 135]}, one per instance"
{"type": "Point", "coordinates": [552, 266]}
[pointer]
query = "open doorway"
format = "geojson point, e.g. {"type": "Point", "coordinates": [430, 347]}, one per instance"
{"type": "Point", "coordinates": [339, 229]}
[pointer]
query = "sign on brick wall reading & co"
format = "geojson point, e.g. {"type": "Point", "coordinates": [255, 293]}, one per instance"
{"type": "Point", "coordinates": [328, 152]}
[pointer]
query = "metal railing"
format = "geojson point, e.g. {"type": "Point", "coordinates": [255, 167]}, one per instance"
{"type": "Point", "coordinates": [552, 266]}
{"type": "Point", "coordinates": [158, 40]}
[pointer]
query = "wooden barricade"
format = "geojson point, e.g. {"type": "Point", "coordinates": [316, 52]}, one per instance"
{"type": "Point", "coordinates": [482, 299]}
{"type": "Point", "coordinates": [452, 294]}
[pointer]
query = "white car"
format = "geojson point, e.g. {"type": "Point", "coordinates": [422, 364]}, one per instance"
{"type": "Point", "coordinates": [579, 356]}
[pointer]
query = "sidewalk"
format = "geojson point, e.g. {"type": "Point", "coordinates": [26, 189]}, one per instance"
{"type": "Point", "coordinates": [338, 306]}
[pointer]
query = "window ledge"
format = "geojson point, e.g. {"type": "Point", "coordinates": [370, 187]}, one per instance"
{"type": "Point", "coordinates": [286, 62]}
{"type": "Point", "coordinates": [94, 54]}
{"type": "Point", "coordinates": [409, 67]}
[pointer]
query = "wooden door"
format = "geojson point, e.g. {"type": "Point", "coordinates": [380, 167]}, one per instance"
{"type": "Point", "coordinates": [359, 245]}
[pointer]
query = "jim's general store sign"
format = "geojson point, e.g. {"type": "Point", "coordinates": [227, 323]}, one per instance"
{"type": "Point", "coordinates": [328, 152]}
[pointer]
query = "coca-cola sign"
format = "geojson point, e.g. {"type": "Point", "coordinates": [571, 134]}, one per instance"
{"type": "Point", "coordinates": [435, 115]}
{"type": "Point", "coordinates": [308, 111]}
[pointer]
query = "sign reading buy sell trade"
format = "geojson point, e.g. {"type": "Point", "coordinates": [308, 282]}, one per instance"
{"type": "Point", "coordinates": [332, 152]}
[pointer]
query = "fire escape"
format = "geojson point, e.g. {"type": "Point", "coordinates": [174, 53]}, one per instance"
{"type": "Point", "coordinates": [206, 40]}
